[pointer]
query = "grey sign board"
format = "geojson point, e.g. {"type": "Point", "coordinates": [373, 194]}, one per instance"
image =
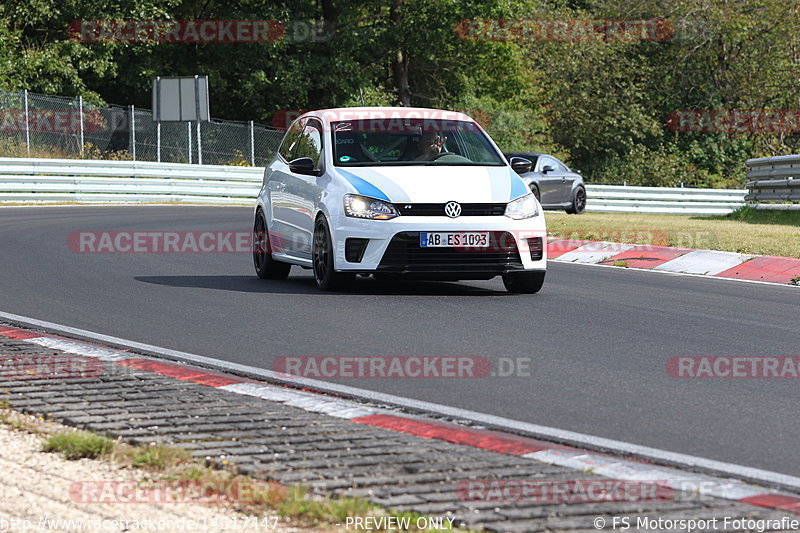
{"type": "Point", "coordinates": [180, 99]}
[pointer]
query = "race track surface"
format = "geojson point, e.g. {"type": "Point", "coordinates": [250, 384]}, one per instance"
{"type": "Point", "coordinates": [599, 338]}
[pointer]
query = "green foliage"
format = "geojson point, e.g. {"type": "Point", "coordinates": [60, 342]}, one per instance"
{"type": "Point", "coordinates": [512, 126]}
{"type": "Point", "coordinates": [601, 105]}
{"type": "Point", "coordinates": [79, 445]}
{"type": "Point", "coordinates": [159, 457]}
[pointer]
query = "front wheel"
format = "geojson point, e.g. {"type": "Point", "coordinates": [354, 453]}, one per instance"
{"type": "Point", "coordinates": [578, 201]}
{"type": "Point", "coordinates": [266, 266]}
{"type": "Point", "coordinates": [524, 282]}
{"type": "Point", "coordinates": [322, 258]}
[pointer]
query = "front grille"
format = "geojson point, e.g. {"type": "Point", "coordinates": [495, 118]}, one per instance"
{"type": "Point", "coordinates": [404, 254]}
{"type": "Point", "coordinates": [467, 210]}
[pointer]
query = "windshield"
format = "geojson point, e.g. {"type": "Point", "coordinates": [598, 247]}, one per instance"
{"type": "Point", "coordinates": [382, 142]}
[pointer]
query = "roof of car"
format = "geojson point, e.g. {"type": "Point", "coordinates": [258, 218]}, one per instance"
{"type": "Point", "coordinates": [526, 153]}
{"type": "Point", "coordinates": [363, 113]}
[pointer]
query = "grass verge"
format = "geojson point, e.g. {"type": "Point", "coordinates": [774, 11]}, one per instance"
{"type": "Point", "coordinates": [747, 230]}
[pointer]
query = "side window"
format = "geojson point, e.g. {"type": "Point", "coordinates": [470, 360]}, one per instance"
{"type": "Point", "coordinates": [561, 167]}
{"type": "Point", "coordinates": [309, 144]}
{"type": "Point", "coordinates": [290, 141]}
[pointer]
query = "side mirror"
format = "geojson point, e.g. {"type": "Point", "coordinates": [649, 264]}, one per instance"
{"type": "Point", "coordinates": [547, 168]}
{"type": "Point", "coordinates": [520, 165]}
{"type": "Point", "coordinates": [303, 165]}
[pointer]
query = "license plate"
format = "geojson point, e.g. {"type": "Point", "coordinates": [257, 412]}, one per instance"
{"type": "Point", "coordinates": [451, 240]}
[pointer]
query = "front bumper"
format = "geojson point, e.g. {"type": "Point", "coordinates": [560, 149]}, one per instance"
{"type": "Point", "coordinates": [393, 246]}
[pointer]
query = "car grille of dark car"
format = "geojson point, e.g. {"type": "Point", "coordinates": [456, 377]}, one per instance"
{"type": "Point", "coordinates": [404, 254]}
{"type": "Point", "coordinates": [467, 210]}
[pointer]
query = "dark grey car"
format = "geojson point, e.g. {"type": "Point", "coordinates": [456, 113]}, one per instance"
{"type": "Point", "coordinates": [553, 183]}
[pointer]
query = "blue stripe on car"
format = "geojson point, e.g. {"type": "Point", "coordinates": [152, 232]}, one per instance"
{"type": "Point", "coordinates": [363, 186]}
{"type": "Point", "coordinates": [518, 187]}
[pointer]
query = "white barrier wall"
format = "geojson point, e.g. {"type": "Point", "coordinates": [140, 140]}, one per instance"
{"type": "Point", "coordinates": [96, 181]}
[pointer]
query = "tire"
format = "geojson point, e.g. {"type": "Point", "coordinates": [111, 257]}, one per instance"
{"type": "Point", "coordinates": [322, 254]}
{"type": "Point", "coordinates": [578, 201]}
{"type": "Point", "coordinates": [535, 190]}
{"type": "Point", "coordinates": [524, 282]}
{"type": "Point", "coordinates": [266, 266]}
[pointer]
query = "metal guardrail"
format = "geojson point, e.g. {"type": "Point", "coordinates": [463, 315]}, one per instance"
{"type": "Point", "coordinates": [99, 181]}
{"type": "Point", "coordinates": [774, 182]}
{"type": "Point", "coordinates": [96, 181]}
{"type": "Point", "coordinates": [666, 200]}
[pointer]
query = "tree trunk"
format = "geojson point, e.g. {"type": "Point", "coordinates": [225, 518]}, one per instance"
{"type": "Point", "coordinates": [400, 68]}
{"type": "Point", "coordinates": [329, 13]}
{"type": "Point", "coordinates": [400, 62]}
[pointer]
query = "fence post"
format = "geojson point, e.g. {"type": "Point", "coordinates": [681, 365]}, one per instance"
{"type": "Point", "coordinates": [197, 118]}
{"type": "Point", "coordinates": [80, 114]}
{"type": "Point", "coordinates": [27, 122]}
{"type": "Point", "coordinates": [199, 146]}
{"type": "Point", "coordinates": [158, 141]}
{"type": "Point", "coordinates": [252, 145]}
{"type": "Point", "coordinates": [189, 131]}
{"type": "Point", "coordinates": [132, 112]}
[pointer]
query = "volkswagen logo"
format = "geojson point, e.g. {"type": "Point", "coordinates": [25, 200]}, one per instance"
{"type": "Point", "coordinates": [452, 209]}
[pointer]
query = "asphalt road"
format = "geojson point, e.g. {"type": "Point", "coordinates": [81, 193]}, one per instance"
{"type": "Point", "coordinates": [599, 338]}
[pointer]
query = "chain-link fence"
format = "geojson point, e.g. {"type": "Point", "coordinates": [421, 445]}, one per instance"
{"type": "Point", "coordinates": [35, 125]}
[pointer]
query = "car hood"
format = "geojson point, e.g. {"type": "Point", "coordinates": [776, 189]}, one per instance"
{"type": "Point", "coordinates": [436, 184]}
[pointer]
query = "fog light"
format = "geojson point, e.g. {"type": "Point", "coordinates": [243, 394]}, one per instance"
{"type": "Point", "coordinates": [536, 247]}
{"type": "Point", "coordinates": [354, 249]}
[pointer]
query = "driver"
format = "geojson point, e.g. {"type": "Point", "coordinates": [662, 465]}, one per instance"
{"type": "Point", "coordinates": [429, 146]}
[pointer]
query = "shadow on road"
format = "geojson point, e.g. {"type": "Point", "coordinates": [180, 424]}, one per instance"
{"type": "Point", "coordinates": [305, 285]}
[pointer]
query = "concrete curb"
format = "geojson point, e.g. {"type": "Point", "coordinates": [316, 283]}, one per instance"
{"type": "Point", "coordinates": [731, 265]}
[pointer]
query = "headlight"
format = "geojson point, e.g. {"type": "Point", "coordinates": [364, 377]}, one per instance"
{"type": "Point", "coordinates": [366, 207]}
{"type": "Point", "coordinates": [522, 207]}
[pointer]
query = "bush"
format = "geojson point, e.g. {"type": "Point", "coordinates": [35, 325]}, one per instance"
{"type": "Point", "coordinates": [661, 167]}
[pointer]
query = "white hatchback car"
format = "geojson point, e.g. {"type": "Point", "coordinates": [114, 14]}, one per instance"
{"type": "Point", "coordinates": [397, 192]}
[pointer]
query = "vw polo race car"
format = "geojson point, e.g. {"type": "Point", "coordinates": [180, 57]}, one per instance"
{"type": "Point", "coordinates": [396, 192]}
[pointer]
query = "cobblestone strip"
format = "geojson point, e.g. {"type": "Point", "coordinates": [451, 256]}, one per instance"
{"type": "Point", "coordinates": [334, 456]}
